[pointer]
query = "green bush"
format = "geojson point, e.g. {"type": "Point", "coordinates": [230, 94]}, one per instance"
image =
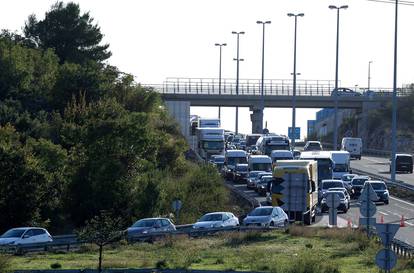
{"type": "Point", "coordinates": [4, 262]}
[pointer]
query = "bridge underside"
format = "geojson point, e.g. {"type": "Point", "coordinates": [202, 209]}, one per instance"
{"type": "Point", "coordinates": [272, 101]}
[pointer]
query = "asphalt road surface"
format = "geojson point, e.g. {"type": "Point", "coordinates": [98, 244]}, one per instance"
{"type": "Point", "coordinates": [393, 212]}
{"type": "Point", "coordinates": [380, 166]}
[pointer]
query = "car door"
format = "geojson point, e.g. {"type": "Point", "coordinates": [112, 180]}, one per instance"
{"type": "Point", "coordinates": [225, 219]}
{"type": "Point", "coordinates": [28, 237]}
{"type": "Point", "coordinates": [276, 216]}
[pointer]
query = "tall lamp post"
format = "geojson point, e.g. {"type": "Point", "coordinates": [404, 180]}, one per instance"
{"type": "Point", "coordinates": [237, 77]}
{"type": "Point", "coordinates": [394, 100]}
{"type": "Point", "coordinates": [369, 75]}
{"type": "Point", "coordinates": [263, 23]}
{"type": "Point", "coordinates": [335, 133]}
{"type": "Point", "coordinates": [294, 79]}
{"type": "Point", "coordinates": [220, 45]}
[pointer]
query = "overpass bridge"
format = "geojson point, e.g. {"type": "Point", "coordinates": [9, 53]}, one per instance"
{"type": "Point", "coordinates": [277, 93]}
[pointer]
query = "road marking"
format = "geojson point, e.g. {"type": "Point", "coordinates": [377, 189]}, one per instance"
{"type": "Point", "coordinates": [405, 208]}
{"type": "Point", "coordinates": [402, 201]}
{"type": "Point", "coordinates": [383, 213]}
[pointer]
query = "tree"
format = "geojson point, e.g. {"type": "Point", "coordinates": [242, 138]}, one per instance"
{"type": "Point", "coordinates": [101, 230]}
{"type": "Point", "coordinates": [73, 36]}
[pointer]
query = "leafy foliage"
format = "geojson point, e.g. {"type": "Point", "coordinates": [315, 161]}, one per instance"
{"type": "Point", "coordinates": [77, 136]}
{"type": "Point", "coordinates": [72, 35]}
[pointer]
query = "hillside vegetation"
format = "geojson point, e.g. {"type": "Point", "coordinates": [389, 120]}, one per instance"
{"type": "Point", "coordinates": [78, 136]}
{"type": "Point", "coordinates": [300, 250]}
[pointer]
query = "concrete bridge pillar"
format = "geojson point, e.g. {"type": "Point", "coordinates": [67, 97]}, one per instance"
{"type": "Point", "coordinates": [257, 120]}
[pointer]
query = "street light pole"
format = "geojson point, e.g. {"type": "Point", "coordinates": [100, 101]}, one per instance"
{"type": "Point", "coordinates": [369, 75]}
{"type": "Point", "coordinates": [220, 45]}
{"type": "Point", "coordinates": [394, 100]}
{"type": "Point", "coordinates": [262, 82]}
{"type": "Point", "coordinates": [237, 78]}
{"type": "Point", "coordinates": [335, 133]}
{"type": "Point", "coordinates": [294, 80]}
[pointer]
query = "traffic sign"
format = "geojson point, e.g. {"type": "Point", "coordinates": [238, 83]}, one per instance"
{"type": "Point", "coordinates": [368, 209]}
{"type": "Point", "coordinates": [386, 259]}
{"type": "Point", "coordinates": [332, 200]}
{"type": "Point", "coordinates": [296, 135]}
{"type": "Point", "coordinates": [368, 193]}
{"type": "Point", "coordinates": [367, 221]}
{"type": "Point", "coordinates": [387, 232]}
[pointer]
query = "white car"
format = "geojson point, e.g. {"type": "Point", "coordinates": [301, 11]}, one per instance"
{"type": "Point", "coordinates": [217, 220]}
{"type": "Point", "coordinates": [25, 235]}
{"type": "Point", "coordinates": [266, 216]}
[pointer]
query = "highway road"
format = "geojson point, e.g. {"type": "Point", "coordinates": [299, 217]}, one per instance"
{"type": "Point", "coordinates": [380, 166]}
{"type": "Point", "coordinates": [389, 213]}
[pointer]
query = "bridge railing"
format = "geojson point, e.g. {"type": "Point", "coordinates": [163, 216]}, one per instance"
{"type": "Point", "coordinates": [271, 87]}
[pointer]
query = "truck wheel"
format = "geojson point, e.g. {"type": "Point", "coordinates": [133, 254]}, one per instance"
{"type": "Point", "coordinates": [308, 219]}
{"type": "Point", "coordinates": [386, 202]}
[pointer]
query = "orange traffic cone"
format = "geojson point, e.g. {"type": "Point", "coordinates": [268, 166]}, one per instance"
{"type": "Point", "coordinates": [402, 222]}
{"type": "Point", "coordinates": [382, 219]}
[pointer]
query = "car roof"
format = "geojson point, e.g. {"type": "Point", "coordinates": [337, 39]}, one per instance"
{"type": "Point", "coordinates": [218, 212]}
{"type": "Point", "coordinates": [361, 177]}
{"type": "Point", "coordinates": [265, 207]}
{"type": "Point", "coordinates": [404, 155]}
{"type": "Point", "coordinates": [376, 182]}
{"type": "Point", "coordinates": [24, 228]}
{"type": "Point", "coordinates": [155, 218]}
{"type": "Point", "coordinates": [332, 180]}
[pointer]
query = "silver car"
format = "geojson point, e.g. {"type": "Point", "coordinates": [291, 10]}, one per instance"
{"type": "Point", "coordinates": [150, 225]}
{"type": "Point", "coordinates": [267, 216]}
{"type": "Point", "coordinates": [217, 220]}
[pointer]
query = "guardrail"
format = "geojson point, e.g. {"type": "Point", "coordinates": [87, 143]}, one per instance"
{"type": "Point", "coordinates": [271, 87]}
{"type": "Point", "coordinates": [145, 270]}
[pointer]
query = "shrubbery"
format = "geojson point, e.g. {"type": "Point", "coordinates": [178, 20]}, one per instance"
{"type": "Point", "coordinates": [77, 136]}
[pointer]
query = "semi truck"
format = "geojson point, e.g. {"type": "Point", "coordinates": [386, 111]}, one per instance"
{"type": "Point", "coordinates": [294, 188]}
{"type": "Point", "coordinates": [267, 143]}
{"type": "Point", "coordinates": [210, 141]}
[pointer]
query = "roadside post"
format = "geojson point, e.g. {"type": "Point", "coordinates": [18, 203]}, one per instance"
{"type": "Point", "coordinates": [333, 201]}
{"type": "Point", "coordinates": [176, 206]}
{"type": "Point", "coordinates": [367, 207]}
{"type": "Point", "coordinates": [386, 258]}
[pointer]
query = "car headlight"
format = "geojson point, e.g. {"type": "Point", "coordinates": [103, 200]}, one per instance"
{"type": "Point", "coordinates": [323, 200]}
{"type": "Point", "coordinates": [386, 193]}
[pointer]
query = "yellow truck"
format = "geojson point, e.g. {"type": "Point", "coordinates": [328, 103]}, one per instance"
{"type": "Point", "coordinates": [295, 189]}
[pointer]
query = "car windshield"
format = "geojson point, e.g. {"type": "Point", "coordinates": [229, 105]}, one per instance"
{"type": "Point", "coordinates": [339, 193]}
{"type": "Point", "coordinates": [211, 217]}
{"type": "Point", "coordinates": [266, 178]}
{"type": "Point", "coordinates": [242, 168]}
{"type": "Point", "coordinates": [358, 182]}
{"type": "Point", "coordinates": [341, 168]}
{"type": "Point", "coordinates": [219, 159]}
{"type": "Point", "coordinates": [262, 166]}
{"type": "Point", "coordinates": [215, 145]}
{"type": "Point", "coordinates": [253, 174]}
{"type": "Point", "coordinates": [405, 159]}
{"type": "Point", "coordinates": [333, 184]}
{"type": "Point", "coordinates": [261, 212]}
{"type": "Point", "coordinates": [379, 186]}
{"type": "Point", "coordinates": [236, 160]}
{"type": "Point", "coordinates": [347, 178]}
{"type": "Point", "coordinates": [145, 223]}
{"type": "Point", "coordinates": [324, 168]}
{"type": "Point", "coordinates": [13, 233]}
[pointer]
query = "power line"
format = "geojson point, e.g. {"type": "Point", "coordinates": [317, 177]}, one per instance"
{"type": "Point", "coordinates": [405, 3]}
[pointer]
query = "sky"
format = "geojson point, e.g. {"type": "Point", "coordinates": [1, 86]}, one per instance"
{"type": "Point", "coordinates": [156, 39]}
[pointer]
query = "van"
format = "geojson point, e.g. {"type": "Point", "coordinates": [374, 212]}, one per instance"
{"type": "Point", "coordinates": [340, 163]}
{"type": "Point", "coordinates": [231, 159]}
{"type": "Point", "coordinates": [353, 145]}
{"type": "Point", "coordinates": [295, 189]}
{"type": "Point", "coordinates": [403, 163]}
{"type": "Point", "coordinates": [260, 163]}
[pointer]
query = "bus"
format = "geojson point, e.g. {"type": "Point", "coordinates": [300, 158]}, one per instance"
{"type": "Point", "coordinates": [267, 143]}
